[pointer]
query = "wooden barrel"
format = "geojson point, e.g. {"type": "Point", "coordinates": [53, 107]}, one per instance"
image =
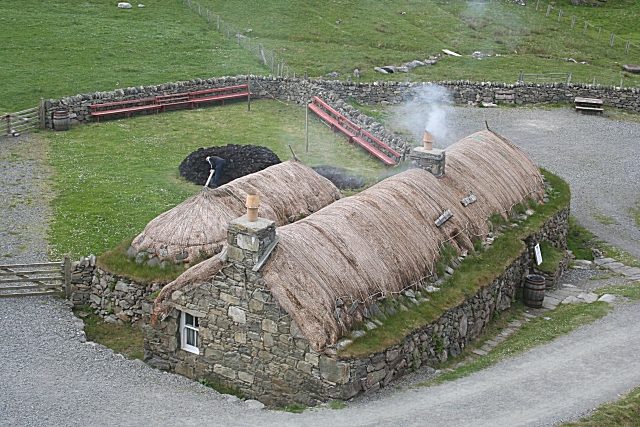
{"type": "Point", "coordinates": [533, 291]}
{"type": "Point", "coordinates": [61, 120]}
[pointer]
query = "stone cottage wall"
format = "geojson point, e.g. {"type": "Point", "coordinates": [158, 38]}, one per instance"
{"type": "Point", "coordinates": [248, 342]}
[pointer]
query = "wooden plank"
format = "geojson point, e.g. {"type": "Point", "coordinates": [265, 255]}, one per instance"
{"type": "Point", "coordinates": [35, 279]}
{"type": "Point", "coordinates": [28, 294]}
{"type": "Point", "coordinates": [15, 273]}
{"type": "Point", "coordinates": [374, 151]}
{"type": "Point", "coordinates": [28, 110]}
{"type": "Point", "coordinates": [35, 264]}
{"type": "Point", "coordinates": [588, 100]}
{"type": "Point", "coordinates": [27, 287]}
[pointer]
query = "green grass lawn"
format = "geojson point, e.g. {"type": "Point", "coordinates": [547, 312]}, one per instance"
{"type": "Point", "coordinates": [56, 48]}
{"type": "Point", "coordinates": [112, 178]}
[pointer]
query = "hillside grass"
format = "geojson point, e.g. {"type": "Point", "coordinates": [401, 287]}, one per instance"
{"type": "Point", "coordinates": [347, 34]}
{"type": "Point", "coordinates": [63, 48]}
{"type": "Point", "coordinates": [58, 48]}
{"type": "Point", "coordinates": [111, 178]}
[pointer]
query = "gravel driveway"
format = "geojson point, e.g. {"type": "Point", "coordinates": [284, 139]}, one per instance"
{"type": "Point", "coordinates": [49, 377]}
{"type": "Point", "coordinates": [600, 158]}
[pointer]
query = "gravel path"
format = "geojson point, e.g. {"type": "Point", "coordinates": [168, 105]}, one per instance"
{"type": "Point", "coordinates": [24, 200]}
{"type": "Point", "coordinates": [49, 377]}
{"type": "Point", "coordinates": [599, 157]}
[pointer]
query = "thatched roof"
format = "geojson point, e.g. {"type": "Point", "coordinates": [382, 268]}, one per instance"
{"type": "Point", "coordinates": [384, 239]}
{"type": "Point", "coordinates": [289, 191]}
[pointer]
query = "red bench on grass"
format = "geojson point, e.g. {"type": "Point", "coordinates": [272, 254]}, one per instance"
{"type": "Point", "coordinates": [169, 102]}
{"type": "Point", "coordinates": [355, 133]}
{"type": "Point", "coordinates": [123, 107]}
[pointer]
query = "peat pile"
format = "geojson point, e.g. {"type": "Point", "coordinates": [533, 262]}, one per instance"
{"type": "Point", "coordinates": [240, 160]}
{"type": "Point", "coordinates": [340, 177]}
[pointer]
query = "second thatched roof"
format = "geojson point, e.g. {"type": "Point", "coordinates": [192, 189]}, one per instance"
{"type": "Point", "coordinates": [198, 226]}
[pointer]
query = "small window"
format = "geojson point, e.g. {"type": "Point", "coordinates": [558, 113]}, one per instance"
{"type": "Point", "coordinates": [189, 333]}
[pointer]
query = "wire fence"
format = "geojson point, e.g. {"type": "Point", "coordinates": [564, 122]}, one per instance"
{"type": "Point", "coordinates": [274, 62]}
{"type": "Point", "coordinates": [583, 28]}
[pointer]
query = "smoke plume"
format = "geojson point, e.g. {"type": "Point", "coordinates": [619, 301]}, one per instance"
{"type": "Point", "coordinates": [429, 109]}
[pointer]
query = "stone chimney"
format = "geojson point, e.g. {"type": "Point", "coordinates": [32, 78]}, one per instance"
{"type": "Point", "coordinates": [428, 158]}
{"type": "Point", "coordinates": [251, 240]}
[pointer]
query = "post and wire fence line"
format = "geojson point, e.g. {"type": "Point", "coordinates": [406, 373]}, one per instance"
{"type": "Point", "coordinates": [269, 58]}
{"type": "Point", "coordinates": [586, 28]}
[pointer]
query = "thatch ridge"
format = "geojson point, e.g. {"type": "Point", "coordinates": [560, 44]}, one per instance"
{"type": "Point", "coordinates": [289, 191]}
{"type": "Point", "coordinates": [331, 265]}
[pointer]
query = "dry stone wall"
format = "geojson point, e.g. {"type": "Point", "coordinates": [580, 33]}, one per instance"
{"type": "Point", "coordinates": [115, 298]}
{"type": "Point", "coordinates": [384, 93]}
{"type": "Point", "coordinates": [249, 343]}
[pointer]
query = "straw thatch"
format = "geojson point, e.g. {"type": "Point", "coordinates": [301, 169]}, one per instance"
{"type": "Point", "coordinates": [289, 191]}
{"type": "Point", "coordinates": [331, 265]}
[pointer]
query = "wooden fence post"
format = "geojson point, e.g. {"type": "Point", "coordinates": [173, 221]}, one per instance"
{"type": "Point", "coordinates": [249, 91]}
{"type": "Point", "coordinates": [306, 129]}
{"type": "Point", "coordinates": [41, 114]}
{"type": "Point", "coordinates": [66, 267]}
{"type": "Point", "coordinates": [8, 119]}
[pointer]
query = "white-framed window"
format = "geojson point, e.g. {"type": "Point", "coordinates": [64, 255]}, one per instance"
{"type": "Point", "coordinates": [189, 332]}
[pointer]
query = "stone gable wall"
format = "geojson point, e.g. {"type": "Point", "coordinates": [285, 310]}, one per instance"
{"type": "Point", "coordinates": [248, 342]}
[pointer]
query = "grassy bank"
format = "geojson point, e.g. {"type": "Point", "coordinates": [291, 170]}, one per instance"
{"type": "Point", "coordinates": [322, 38]}
{"type": "Point", "coordinates": [124, 339]}
{"type": "Point", "coordinates": [112, 178]}
{"type": "Point", "coordinates": [625, 412]}
{"type": "Point", "coordinates": [541, 330]}
{"type": "Point", "coordinates": [473, 274]}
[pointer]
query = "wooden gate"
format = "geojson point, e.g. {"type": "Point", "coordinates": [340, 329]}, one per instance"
{"type": "Point", "coordinates": [43, 278]}
{"type": "Point", "coordinates": [23, 121]}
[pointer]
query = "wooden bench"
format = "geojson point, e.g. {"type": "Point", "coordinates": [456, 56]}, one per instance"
{"type": "Point", "coordinates": [353, 132]}
{"type": "Point", "coordinates": [127, 107]}
{"type": "Point", "coordinates": [589, 105]}
{"type": "Point", "coordinates": [219, 94]}
{"type": "Point", "coordinates": [174, 99]}
{"type": "Point", "coordinates": [169, 101]}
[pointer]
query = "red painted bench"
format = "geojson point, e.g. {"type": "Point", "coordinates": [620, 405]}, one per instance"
{"type": "Point", "coordinates": [355, 133]}
{"type": "Point", "coordinates": [170, 101]}
{"type": "Point", "coordinates": [219, 94]}
{"type": "Point", "coordinates": [175, 99]}
{"type": "Point", "coordinates": [123, 107]}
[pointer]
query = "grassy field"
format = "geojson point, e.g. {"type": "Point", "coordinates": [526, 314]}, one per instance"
{"type": "Point", "coordinates": [346, 34]}
{"type": "Point", "coordinates": [62, 48]}
{"type": "Point", "coordinates": [59, 47]}
{"type": "Point", "coordinates": [113, 177]}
